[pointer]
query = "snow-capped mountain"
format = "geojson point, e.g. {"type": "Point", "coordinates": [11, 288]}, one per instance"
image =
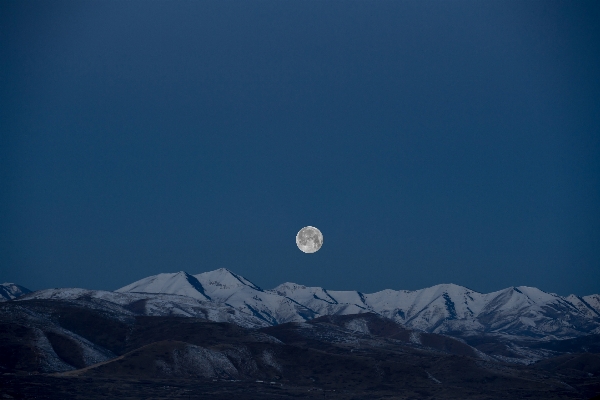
{"type": "Point", "coordinates": [9, 291]}
{"type": "Point", "coordinates": [588, 305]}
{"type": "Point", "coordinates": [446, 308]}
{"type": "Point", "coordinates": [180, 283]}
{"type": "Point", "coordinates": [322, 301]}
{"type": "Point", "coordinates": [78, 332]}
{"type": "Point", "coordinates": [452, 308]}
{"type": "Point", "coordinates": [511, 325]}
{"type": "Point", "coordinates": [227, 287]}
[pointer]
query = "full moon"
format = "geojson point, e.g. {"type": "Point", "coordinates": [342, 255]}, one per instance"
{"type": "Point", "coordinates": [309, 239]}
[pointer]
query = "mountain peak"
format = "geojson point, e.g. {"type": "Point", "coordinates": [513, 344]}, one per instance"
{"type": "Point", "coordinates": [180, 283]}
{"type": "Point", "coordinates": [288, 286]}
{"type": "Point", "coordinates": [9, 291]}
{"type": "Point", "coordinates": [453, 287]}
{"type": "Point", "coordinates": [224, 279]}
{"type": "Point", "coordinates": [536, 295]}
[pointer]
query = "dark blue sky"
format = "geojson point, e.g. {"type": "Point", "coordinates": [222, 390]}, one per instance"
{"type": "Point", "coordinates": [430, 141]}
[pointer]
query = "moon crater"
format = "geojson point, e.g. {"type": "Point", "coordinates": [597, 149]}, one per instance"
{"type": "Point", "coordinates": [309, 239]}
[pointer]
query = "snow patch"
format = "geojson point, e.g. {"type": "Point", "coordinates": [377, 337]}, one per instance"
{"type": "Point", "coordinates": [49, 360]}
{"type": "Point", "coordinates": [199, 361]}
{"type": "Point", "coordinates": [415, 338]}
{"type": "Point", "coordinates": [269, 359]}
{"type": "Point", "coordinates": [432, 377]}
{"type": "Point", "coordinates": [358, 325]}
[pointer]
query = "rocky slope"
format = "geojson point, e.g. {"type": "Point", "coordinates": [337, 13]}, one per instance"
{"type": "Point", "coordinates": [89, 347]}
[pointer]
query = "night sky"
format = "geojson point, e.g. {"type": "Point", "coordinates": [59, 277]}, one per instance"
{"type": "Point", "coordinates": [430, 141]}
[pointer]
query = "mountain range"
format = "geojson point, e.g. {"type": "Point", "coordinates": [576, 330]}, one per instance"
{"type": "Point", "coordinates": [446, 308]}
{"type": "Point", "coordinates": [524, 312]}
{"type": "Point", "coordinates": [218, 335]}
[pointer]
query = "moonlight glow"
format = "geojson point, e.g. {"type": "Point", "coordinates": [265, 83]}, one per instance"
{"type": "Point", "coordinates": [309, 239]}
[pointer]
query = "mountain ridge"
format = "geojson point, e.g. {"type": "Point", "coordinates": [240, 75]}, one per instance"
{"type": "Point", "coordinates": [443, 308]}
{"type": "Point", "coordinates": [517, 311]}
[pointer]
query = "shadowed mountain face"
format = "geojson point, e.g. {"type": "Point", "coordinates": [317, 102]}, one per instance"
{"type": "Point", "coordinates": [9, 291]}
{"type": "Point", "coordinates": [60, 335]}
{"type": "Point", "coordinates": [91, 345]}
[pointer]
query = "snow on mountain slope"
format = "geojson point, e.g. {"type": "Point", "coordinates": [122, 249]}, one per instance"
{"type": "Point", "coordinates": [322, 301]}
{"type": "Point", "coordinates": [582, 306]}
{"type": "Point", "coordinates": [445, 308]}
{"type": "Point", "coordinates": [234, 290]}
{"type": "Point", "coordinates": [531, 312]}
{"type": "Point", "coordinates": [40, 337]}
{"type": "Point", "coordinates": [224, 279]}
{"type": "Point", "coordinates": [427, 309]}
{"type": "Point", "coordinates": [349, 297]}
{"type": "Point", "coordinates": [180, 283]}
{"type": "Point", "coordinates": [9, 291]}
{"type": "Point", "coordinates": [151, 304]}
{"type": "Point", "coordinates": [450, 308]}
{"type": "Point", "coordinates": [593, 301]}
{"type": "Point", "coordinates": [222, 295]}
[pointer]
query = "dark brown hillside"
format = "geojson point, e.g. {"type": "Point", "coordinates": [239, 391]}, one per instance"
{"type": "Point", "coordinates": [96, 326]}
{"type": "Point", "coordinates": [586, 363]}
{"type": "Point", "coordinates": [164, 359]}
{"type": "Point", "coordinates": [190, 330]}
{"type": "Point", "coordinates": [385, 328]}
{"type": "Point", "coordinates": [281, 363]}
{"type": "Point", "coordinates": [377, 325]}
{"type": "Point", "coordinates": [446, 344]}
{"type": "Point", "coordinates": [102, 327]}
{"type": "Point", "coordinates": [67, 349]}
{"type": "Point", "coordinates": [301, 366]}
{"type": "Point", "coordinates": [16, 349]}
{"type": "Point", "coordinates": [492, 345]}
{"type": "Point", "coordinates": [584, 344]}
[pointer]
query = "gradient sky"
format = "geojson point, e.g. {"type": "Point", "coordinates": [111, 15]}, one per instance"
{"type": "Point", "coordinates": [430, 141]}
